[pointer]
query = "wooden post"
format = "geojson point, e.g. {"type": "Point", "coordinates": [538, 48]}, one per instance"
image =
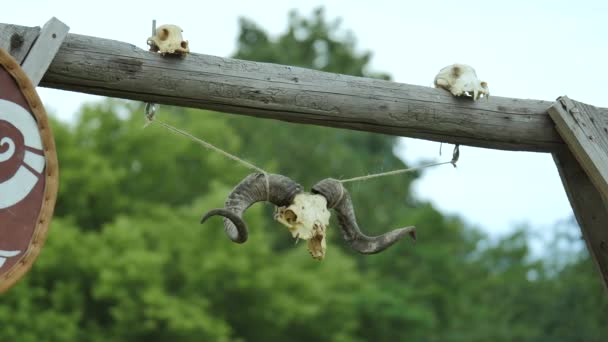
{"type": "Point", "coordinates": [589, 208]}
{"type": "Point", "coordinates": [584, 171]}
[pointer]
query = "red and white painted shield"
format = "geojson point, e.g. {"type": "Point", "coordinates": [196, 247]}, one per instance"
{"type": "Point", "coordinates": [28, 172]}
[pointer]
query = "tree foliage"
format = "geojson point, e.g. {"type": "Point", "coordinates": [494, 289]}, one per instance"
{"type": "Point", "coordinates": [126, 259]}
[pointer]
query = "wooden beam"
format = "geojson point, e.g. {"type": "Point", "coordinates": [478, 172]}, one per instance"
{"type": "Point", "coordinates": [585, 130]}
{"type": "Point", "coordinates": [111, 68]}
{"type": "Point", "coordinates": [589, 208]}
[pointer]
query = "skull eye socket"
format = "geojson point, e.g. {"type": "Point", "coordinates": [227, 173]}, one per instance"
{"type": "Point", "coordinates": [290, 216]}
{"type": "Point", "coordinates": [164, 34]}
{"type": "Point", "coordinates": [184, 44]}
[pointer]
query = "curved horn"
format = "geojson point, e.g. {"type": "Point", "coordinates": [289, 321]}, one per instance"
{"type": "Point", "coordinates": [276, 189]}
{"type": "Point", "coordinates": [338, 198]}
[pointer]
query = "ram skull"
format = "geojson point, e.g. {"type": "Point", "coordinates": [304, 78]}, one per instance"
{"type": "Point", "coordinates": [461, 79]}
{"type": "Point", "coordinates": [307, 218]}
{"type": "Point", "coordinates": [306, 215]}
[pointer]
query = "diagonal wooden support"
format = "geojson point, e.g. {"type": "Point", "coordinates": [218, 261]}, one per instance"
{"type": "Point", "coordinates": [34, 48]}
{"type": "Point", "coordinates": [584, 128]}
{"type": "Point", "coordinates": [583, 167]}
{"type": "Point", "coordinates": [44, 49]}
{"type": "Point", "coordinates": [589, 208]}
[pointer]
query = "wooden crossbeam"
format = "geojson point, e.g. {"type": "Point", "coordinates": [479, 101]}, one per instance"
{"type": "Point", "coordinates": [111, 68]}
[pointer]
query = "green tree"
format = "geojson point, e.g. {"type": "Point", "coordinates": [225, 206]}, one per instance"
{"type": "Point", "coordinates": [112, 165]}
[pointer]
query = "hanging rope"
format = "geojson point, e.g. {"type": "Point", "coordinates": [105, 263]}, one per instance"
{"type": "Point", "coordinates": [455, 156]}
{"type": "Point", "coordinates": [150, 112]}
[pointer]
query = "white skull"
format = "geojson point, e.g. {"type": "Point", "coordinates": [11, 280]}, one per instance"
{"type": "Point", "coordinates": [307, 218]}
{"type": "Point", "coordinates": [168, 39]}
{"type": "Point", "coordinates": [461, 79]}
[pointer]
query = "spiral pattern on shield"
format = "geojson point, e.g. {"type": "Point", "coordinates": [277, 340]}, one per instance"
{"type": "Point", "coordinates": [10, 151]}
{"type": "Point", "coordinates": [21, 154]}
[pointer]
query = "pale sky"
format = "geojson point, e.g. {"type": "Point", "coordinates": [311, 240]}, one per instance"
{"type": "Point", "coordinates": [523, 49]}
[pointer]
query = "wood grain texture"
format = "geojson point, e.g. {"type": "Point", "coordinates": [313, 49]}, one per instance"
{"type": "Point", "coordinates": [584, 128]}
{"type": "Point", "coordinates": [111, 68]}
{"type": "Point", "coordinates": [589, 208]}
{"type": "Point", "coordinates": [44, 49]}
{"type": "Point", "coordinates": [17, 40]}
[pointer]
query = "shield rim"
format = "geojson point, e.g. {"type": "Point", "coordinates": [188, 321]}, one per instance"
{"type": "Point", "coordinates": [51, 172]}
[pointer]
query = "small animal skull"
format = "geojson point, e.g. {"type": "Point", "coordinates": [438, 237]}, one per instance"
{"type": "Point", "coordinates": [461, 79]}
{"type": "Point", "coordinates": [307, 218]}
{"type": "Point", "coordinates": [168, 40]}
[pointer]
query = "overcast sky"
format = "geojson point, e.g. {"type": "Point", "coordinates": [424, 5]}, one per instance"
{"type": "Point", "coordinates": [524, 49]}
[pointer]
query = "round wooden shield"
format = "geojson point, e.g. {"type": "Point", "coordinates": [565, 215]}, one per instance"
{"type": "Point", "coordinates": [28, 172]}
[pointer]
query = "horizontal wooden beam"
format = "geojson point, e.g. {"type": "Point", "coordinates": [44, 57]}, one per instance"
{"type": "Point", "coordinates": [112, 68]}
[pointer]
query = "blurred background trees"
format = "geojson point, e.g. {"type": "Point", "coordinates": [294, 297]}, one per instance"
{"type": "Point", "coordinates": [127, 260]}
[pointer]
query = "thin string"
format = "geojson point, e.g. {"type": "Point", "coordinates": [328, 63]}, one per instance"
{"type": "Point", "coordinates": [210, 146]}
{"type": "Point", "coordinates": [391, 173]}
{"type": "Point", "coordinates": [455, 157]}
{"type": "Point", "coordinates": [150, 111]}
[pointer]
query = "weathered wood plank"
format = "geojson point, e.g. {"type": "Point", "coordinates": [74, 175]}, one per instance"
{"type": "Point", "coordinates": [44, 49]}
{"type": "Point", "coordinates": [111, 68]}
{"type": "Point", "coordinates": [585, 130]}
{"type": "Point", "coordinates": [589, 208]}
{"type": "Point", "coordinates": [17, 40]}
